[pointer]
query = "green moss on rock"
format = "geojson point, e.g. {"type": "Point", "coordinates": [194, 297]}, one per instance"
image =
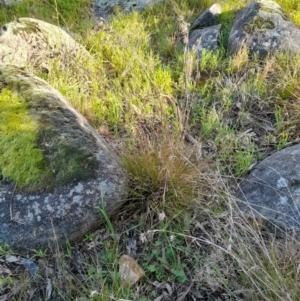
{"type": "Point", "coordinates": [44, 143]}
{"type": "Point", "coordinates": [21, 160]}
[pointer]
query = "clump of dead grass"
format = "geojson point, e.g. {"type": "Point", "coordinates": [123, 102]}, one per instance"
{"type": "Point", "coordinates": [165, 174]}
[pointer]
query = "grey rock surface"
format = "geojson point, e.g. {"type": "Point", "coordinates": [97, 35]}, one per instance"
{"type": "Point", "coordinates": [208, 18]}
{"type": "Point", "coordinates": [103, 8]}
{"type": "Point", "coordinates": [263, 27]}
{"type": "Point", "coordinates": [272, 190]}
{"type": "Point", "coordinates": [45, 219]}
{"type": "Point", "coordinates": [206, 38]}
{"type": "Point", "coordinates": [32, 43]}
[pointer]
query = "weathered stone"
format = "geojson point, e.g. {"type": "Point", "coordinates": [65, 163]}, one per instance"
{"type": "Point", "coordinates": [130, 271]}
{"type": "Point", "coordinates": [272, 190]}
{"type": "Point", "coordinates": [50, 215]}
{"type": "Point", "coordinates": [206, 38]}
{"type": "Point", "coordinates": [103, 7]}
{"type": "Point", "coordinates": [208, 18]}
{"type": "Point", "coordinates": [33, 43]}
{"type": "Point", "coordinates": [263, 27]}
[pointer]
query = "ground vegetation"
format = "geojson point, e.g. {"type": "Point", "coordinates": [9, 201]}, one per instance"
{"type": "Point", "coordinates": [187, 132]}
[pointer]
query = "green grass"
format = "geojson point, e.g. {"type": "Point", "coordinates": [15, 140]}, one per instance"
{"type": "Point", "coordinates": [71, 14]}
{"type": "Point", "coordinates": [180, 214]}
{"type": "Point", "coordinates": [134, 85]}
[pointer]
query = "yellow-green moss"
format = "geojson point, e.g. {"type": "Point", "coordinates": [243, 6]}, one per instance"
{"type": "Point", "coordinates": [20, 159]}
{"type": "Point", "coordinates": [42, 145]}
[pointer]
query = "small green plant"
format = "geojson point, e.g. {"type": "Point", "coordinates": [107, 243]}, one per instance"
{"type": "Point", "coordinates": [40, 253]}
{"type": "Point", "coordinates": [7, 282]}
{"type": "Point", "coordinates": [283, 138]}
{"type": "Point", "coordinates": [210, 61]}
{"type": "Point", "coordinates": [180, 274]}
{"type": "Point", "coordinates": [68, 249]}
{"type": "Point", "coordinates": [210, 122]}
{"type": "Point", "coordinates": [90, 236]}
{"type": "Point", "coordinates": [279, 117]}
{"type": "Point", "coordinates": [5, 249]}
{"type": "Point", "coordinates": [106, 218]}
{"type": "Point", "coordinates": [244, 159]}
{"type": "Point", "coordinates": [165, 255]}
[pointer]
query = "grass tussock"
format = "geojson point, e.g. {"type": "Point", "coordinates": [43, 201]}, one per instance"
{"type": "Point", "coordinates": [166, 175]}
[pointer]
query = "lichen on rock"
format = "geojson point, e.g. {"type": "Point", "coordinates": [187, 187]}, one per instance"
{"type": "Point", "coordinates": [263, 28]}
{"type": "Point", "coordinates": [34, 44]}
{"type": "Point", "coordinates": [271, 191]}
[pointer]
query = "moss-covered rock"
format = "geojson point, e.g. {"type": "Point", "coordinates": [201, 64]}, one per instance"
{"type": "Point", "coordinates": [42, 144]}
{"type": "Point", "coordinates": [55, 170]}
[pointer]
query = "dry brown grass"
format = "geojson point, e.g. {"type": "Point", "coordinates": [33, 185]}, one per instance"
{"type": "Point", "coordinates": [166, 173]}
